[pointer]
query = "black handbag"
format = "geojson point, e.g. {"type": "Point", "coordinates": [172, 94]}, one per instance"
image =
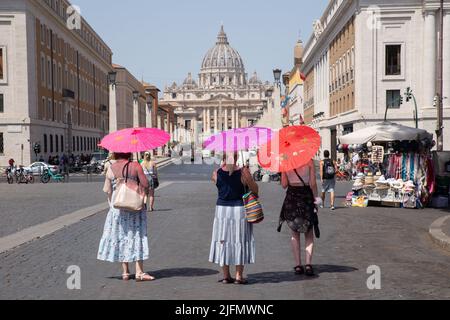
{"type": "Point", "coordinates": [155, 181]}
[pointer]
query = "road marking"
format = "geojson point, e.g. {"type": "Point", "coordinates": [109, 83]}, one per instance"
{"type": "Point", "coordinates": [47, 228]}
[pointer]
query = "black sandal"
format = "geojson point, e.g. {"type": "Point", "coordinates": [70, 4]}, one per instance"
{"type": "Point", "coordinates": [227, 281]}
{"type": "Point", "coordinates": [310, 271]}
{"type": "Point", "coordinates": [299, 270]}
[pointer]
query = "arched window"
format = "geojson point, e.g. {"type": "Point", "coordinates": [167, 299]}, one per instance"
{"type": "Point", "coordinates": [62, 143]}
{"type": "Point", "coordinates": [56, 143]}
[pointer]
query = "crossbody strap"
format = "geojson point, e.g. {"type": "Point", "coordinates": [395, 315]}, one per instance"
{"type": "Point", "coordinates": [304, 184]}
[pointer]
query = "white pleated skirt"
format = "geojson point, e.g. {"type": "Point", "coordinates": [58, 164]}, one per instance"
{"type": "Point", "coordinates": [232, 242]}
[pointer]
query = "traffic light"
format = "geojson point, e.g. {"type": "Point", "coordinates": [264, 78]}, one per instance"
{"type": "Point", "coordinates": [401, 100]}
{"type": "Point", "coordinates": [37, 148]}
{"type": "Point", "coordinates": [408, 94]}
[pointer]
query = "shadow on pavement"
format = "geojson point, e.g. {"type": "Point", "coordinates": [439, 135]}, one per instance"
{"type": "Point", "coordinates": [285, 276]}
{"type": "Point", "coordinates": [183, 272]}
{"type": "Point", "coordinates": [171, 273]}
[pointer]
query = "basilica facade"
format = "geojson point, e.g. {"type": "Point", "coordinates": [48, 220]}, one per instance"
{"type": "Point", "coordinates": [221, 98]}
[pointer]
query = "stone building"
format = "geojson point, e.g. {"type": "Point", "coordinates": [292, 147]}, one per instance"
{"type": "Point", "coordinates": [53, 81]}
{"type": "Point", "coordinates": [362, 57]}
{"type": "Point", "coordinates": [221, 98]}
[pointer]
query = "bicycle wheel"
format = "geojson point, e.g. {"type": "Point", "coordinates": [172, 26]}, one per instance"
{"type": "Point", "coordinates": [31, 179]}
{"type": "Point", "coordinates": [45, 178]}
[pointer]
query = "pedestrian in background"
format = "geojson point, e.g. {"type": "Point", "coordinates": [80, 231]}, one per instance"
{"type": "Point", "coordinates": [109, 161]}
{"type": "Point", "coordinates": [299, 211]}
{"type": "Point", "coordinates": [328, 169]}
{"type": "Point", "coordinates": [125, 233]}
{"type": "Point", "coordinates": [150, 171]}
{"type": "Point", "coordinates": [232, 242]}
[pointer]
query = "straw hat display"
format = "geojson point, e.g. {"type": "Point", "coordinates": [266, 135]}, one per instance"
{"type": "Point", "coordinates": [382, 184]}
{"type": "Point", "coordinates": [377, 176]}
{"type": "Point", "coordinates": [409, 187]}
{"type": "Point", "coordinates": [398, 184]}
{"type": "Point", "coordinates": [358, 185]}
{"type": "Point", "coordinates": [369, 180]}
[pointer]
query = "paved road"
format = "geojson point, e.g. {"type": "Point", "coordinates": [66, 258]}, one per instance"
{"type": "Point", "coordinates": [352, 240]}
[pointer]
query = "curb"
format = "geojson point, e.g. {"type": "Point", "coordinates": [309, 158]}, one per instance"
{"type": "Point", "coordinates": [438, 236]}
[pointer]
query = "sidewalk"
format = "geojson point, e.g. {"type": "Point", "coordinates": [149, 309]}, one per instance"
{"type": "Point", "coordinates": [440, 232]}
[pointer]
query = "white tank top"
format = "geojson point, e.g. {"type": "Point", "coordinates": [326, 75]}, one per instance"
{"type": "Point", "coordinates": [303, 172]}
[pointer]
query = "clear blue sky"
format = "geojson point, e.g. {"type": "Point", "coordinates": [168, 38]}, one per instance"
{"type": "Point", "coordinates": [164, 40]}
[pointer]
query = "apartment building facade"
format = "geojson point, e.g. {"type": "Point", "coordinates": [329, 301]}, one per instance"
{"type": "Point", "coordinates": [363, 55]}
{"type": "Point", "coordinates": [53, 81]}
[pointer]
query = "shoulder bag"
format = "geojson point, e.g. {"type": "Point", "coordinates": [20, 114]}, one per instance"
{"type": "Point", "coordinates": [126, 198]}
{"type": "Point", "coordinates": [253, 208]}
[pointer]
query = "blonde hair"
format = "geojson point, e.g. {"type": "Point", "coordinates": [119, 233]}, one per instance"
{"type": "Point", "coordinates": [146, 163]}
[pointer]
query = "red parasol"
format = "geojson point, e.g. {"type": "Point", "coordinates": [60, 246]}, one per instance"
{"type": "Point", "coordinates": [291, 148]}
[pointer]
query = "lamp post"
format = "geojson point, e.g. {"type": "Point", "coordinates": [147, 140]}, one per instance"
{"type": "Point", "coordinates": [149, 111]}
{"type": "Point", "coordinates": [136, 96]}
{"type": "Point", "coordinates": [112, 101]}
{"type": "Point", "coordinates": [409, 95]}
{"type": "Point", "coordinates": [277, 76]}
{"type": "Point", "coordinates": [440, 95]}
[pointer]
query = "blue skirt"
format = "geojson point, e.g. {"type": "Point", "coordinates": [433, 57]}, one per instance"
{"type": "Point", "coordinates": [124, 237]}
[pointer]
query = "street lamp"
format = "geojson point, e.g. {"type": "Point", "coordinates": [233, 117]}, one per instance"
{"type": "Point", "coordinates": [112, 78]}
{"type": "Point", "coordinates": [136, 95]}
{"type": "Point", "coordinates": [277, 75]}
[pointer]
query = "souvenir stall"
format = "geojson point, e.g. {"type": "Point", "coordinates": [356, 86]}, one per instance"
{"type": "Point", "coordinates": [393, 166]}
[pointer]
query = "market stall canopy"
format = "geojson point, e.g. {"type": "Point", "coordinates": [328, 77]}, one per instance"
{"type": "Point", "coordinates": [385, 132]}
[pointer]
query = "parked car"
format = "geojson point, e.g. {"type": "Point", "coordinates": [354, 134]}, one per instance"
{"type": "Point", "coordinates": [37, 168]}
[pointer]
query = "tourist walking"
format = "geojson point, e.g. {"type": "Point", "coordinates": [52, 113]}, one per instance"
{"type": "Point", "coordinates": [300, 213]}
{"type": "Point", "coordinates": [232, 242]}
{"type": "Point", "coordinates": [328, 169]}
{"type": "Point", "coordinates": [125, 233]}
{"type": "Point", "coordinates": [150, 171]}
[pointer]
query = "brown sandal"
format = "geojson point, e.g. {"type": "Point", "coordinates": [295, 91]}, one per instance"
{"type": "Point", "coordinates": [299, 270]}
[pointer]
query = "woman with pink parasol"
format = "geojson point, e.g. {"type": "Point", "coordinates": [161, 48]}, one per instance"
{"type": "Point", "coordinates": [233, 243]}
{"type": "Point", "coordinates": [124, 236]}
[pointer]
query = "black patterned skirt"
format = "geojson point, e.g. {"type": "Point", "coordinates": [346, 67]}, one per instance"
{"type": "Point", "coordinates": [299, 210]}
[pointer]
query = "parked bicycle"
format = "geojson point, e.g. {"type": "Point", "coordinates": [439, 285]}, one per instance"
{"type": "Point", "coordinates": [24, 176]}
{"type": "Point", "coordinates": [49, 175]}
{"type": "Point", "coordinates": [10, 175]}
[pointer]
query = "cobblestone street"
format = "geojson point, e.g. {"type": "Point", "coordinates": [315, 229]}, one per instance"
{"type": "Point", "coordinates": [396, 240]}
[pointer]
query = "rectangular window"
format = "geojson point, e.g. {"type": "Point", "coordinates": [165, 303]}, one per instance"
{"type": "Point", "coordinates": [2, 64]}
{"type": "Point", "coordinates": [51, 143]}
{"type": "Point", "coordinates": [45, 144]}
{"type": "Point", "coordinates": [1, 144]}
{"type": "Point", "coordinates": [393, 99]}
{"type": "Point", "coordinates": [2, 106]}
{"type": "Point", "coordinates": [347, 129]}
{"type": "Point", "coordinates": [393, 60]}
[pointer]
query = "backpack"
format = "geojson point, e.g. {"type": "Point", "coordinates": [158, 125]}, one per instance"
{"type": "Point", "coordinates": [329, 171]}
